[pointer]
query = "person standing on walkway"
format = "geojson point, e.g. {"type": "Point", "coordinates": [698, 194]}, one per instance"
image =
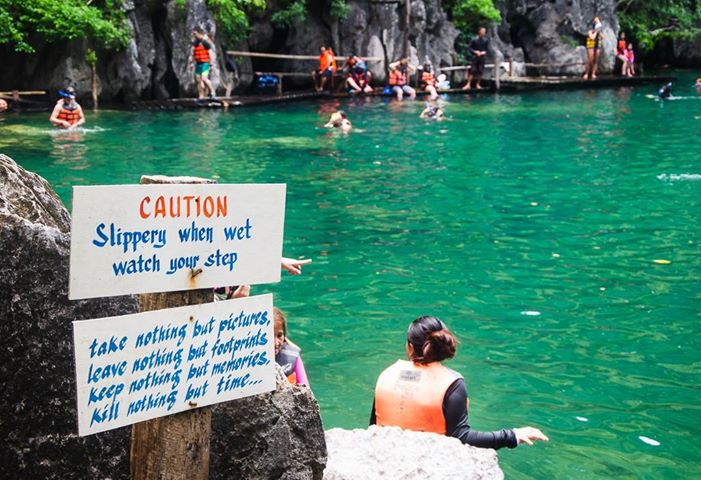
{"type": "Point", "coordinates": [594, 43]}
{"type": "Point", "coordinates": [479, 46]}
{"type": "Point", "coordinates": [67, 113]}
{"type": "Point", "coordinates": [201, 46]}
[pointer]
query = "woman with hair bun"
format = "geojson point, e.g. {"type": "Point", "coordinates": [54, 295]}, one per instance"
{"type": "Point", "coordinates": [423, 395]}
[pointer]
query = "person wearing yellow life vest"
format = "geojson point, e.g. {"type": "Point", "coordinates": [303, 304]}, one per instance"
{"type": "Point", "coordinates": [428, 80]}
{"type": "Point", "coordinates": [201, 46]}
{"type": "Point", "coordinates": [67, 113]}
{"type": "Point", "coordinates": [423, 395]}
{"type": "Point", "coordinates": [399, 72]}
{"type": "Point", "coordinates": [594, 43]}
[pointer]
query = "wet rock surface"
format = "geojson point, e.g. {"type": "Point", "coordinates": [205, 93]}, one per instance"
{"type": "Point", "coordinates": [390, 453]}
{"type": "Point", "coordinates": [276, 435]}
{"type": "Point", "coordinates": [38, 398]}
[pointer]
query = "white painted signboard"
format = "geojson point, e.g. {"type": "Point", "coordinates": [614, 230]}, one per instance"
{"type": "Point", "coordinates": [138, 367]}
{"type": "Point", "coordinates": [158, 238]}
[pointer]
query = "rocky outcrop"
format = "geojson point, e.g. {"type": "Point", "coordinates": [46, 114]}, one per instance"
{"type": "Point", "coordinates": [378, 30]}
{"type": "Point", "coordinates": [554, 32]}
{"type": "Point", "coordinates": [276, 435]}
{"type": "Point", "coordinates": [38, 397]}
{"type": "Point", "coordinates": [390, 453]}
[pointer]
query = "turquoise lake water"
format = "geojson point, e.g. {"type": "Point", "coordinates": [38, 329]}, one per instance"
{"type": "Point", "coordinates": [528, 223]}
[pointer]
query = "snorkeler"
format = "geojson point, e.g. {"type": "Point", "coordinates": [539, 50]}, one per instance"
{"type": "Point", "coordinates": [339, 120]}
{"type": "Point", "coordinates": [432, 112]}
{"type": "Point", "coordinates": [67, 112]}
{"type": "Point", "coordinates": [697, 85]}
{"type": "Point", "coordinates": [666, 91]}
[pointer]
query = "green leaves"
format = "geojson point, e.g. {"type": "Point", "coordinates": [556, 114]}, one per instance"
{"type": "Point", "coordinates": [232, 16]}
{"type": "Point", "coordinates": [468, 14]}
{"type": "Point", "coordinates": [293, 11]}
{"type": "Point", "coordinates": [649, 21]}
{"type": "Point", "coordinates": [103, 22]}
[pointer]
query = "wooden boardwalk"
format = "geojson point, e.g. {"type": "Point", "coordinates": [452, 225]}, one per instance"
{"type": "Point", "coordinates": [508, 85]}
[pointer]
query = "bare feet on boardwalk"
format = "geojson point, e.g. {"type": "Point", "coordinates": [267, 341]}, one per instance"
{"type": "Point", "coordinates": [479, 87]}
{"type": "Point", "coordinates": [466, 87]}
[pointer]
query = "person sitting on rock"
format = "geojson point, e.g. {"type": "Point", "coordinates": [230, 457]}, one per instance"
{"type": "Point", "coordinates": [287, 354]}
{"type": "Point", "coordinates": [428, 80]}
{"type": "Point", "coordinates": [423, 395]}
{"type": "Point", "coordinates": [399, 72]}
{"type": "Point", "coordinates": [67, 113]}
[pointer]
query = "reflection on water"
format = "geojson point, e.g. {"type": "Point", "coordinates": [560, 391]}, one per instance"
{"type": "Point", "coordinates": [529, 223]}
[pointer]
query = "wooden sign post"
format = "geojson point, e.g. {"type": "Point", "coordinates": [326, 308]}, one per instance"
{"type": "Point", "coordinates": [158, 370]}
{"type": "Point", "coordinates": [176, 446]}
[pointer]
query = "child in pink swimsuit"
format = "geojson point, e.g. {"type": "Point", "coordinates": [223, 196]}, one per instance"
{"type": "Point", "coordinates": [287, 354]}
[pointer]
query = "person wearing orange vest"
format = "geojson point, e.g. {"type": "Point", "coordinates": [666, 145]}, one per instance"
{"type": "Point", "coordinates": [423, 395]}
{"type": "Point", "coordinates": [201, 46]}
{"type": "Point", "coordinates": [67, 113]}
{"type": "Point", "coordinates": [399, 78]}
{"type": "Point", "coordinates": [428, 80]}
{"type": "Point", "coordinates": [287, 354]}
{"type": "Point", "coordinates": [327, 68]}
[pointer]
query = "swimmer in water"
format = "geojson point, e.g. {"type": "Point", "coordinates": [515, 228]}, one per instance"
{"type": "Point", "coordinates": [3, 105]}
{"type": "Point", "coordinates": [665, 91]}
{"type": "Point", "coordinates": [67, 113]}
{"type": "Point", "coordinates": [432, 112]}
{"type": "Point", "coordinates": [697, 85]}
{"type": "Point", "coordinates": [339, 120]}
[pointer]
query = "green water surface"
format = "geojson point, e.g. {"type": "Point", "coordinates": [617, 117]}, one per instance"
{"type": "Point", "coordinates": [529, 223]}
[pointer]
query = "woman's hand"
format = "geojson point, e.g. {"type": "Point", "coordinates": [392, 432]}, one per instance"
{"type": "Point", "coordinates": [529, 434]}
{"type": "Point", "coordinates": [294, 266]}
{"type": "Point", "coordinates": [242, 291]}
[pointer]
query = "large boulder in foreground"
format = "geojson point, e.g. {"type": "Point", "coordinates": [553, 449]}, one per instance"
{"type": "Point", "coordinates": [390, 453]}
{"type": "Point", "coordinates": [277, 435]}
{"type": "Point", "coordinates": [38, 399]}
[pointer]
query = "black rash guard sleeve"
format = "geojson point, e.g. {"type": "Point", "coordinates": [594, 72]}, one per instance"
{"type": "Point", "coordinates": [457, 421]}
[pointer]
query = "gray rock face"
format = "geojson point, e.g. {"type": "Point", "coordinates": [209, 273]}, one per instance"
{"type": "Point", "coordinates": [554, 32]}
{"type": "Point", "coordinates": [38, 398]}
{"type": "Point", "coordinates": [378, 30]}
{"type": "Point", "coordinates": [390, 453]}
{"type": "Point", "coordinates": [275, 435]}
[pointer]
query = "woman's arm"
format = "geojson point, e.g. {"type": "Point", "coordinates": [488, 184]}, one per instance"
{"type": "Point", "coordinates": [457, 422]}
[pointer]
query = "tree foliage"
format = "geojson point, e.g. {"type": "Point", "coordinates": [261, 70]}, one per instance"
{"type": "Point", "coordinates": [649, 21]}
{"type": "Point", "coordinates": [232, 16]}
{"type": "Point", "coordinates": [103, 21]}
{"type": "Point", "coordinates": [468, 14]}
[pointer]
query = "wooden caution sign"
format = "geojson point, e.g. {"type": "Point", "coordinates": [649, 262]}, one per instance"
{"type": "Point", "coordinates": [170, 237]}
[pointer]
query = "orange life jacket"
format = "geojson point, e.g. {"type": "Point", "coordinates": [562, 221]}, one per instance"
{"type": "Point", "coordinates": [397, 77]}
{"type": "Point", "coordinates": [621, 47]}
{"type": "Point", "coordinates": [326, 60]}
{"type": "Point", "coordinates": [410, 396]}
{"type": "Point", "coordinates": [201, 53]}
{"type": "Point", "coordinates": [428, 78]}
{"type": "Point", "coordinates": [70, 116]}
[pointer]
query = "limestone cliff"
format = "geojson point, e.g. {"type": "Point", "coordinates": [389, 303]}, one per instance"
{"type": "Point", "coordinates": [157, 62]}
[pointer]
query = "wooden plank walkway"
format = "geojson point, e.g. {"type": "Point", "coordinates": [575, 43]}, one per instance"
{"type": "Point", "coordinates": [508, 85]}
